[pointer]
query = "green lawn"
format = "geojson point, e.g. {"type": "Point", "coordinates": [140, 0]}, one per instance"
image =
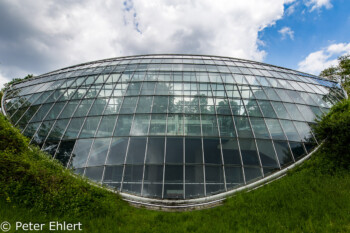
{"type": "Point", "coordinates": [314, 197]}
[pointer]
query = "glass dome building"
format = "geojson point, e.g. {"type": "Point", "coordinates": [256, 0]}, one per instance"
{"type": "Point", "coordinates": [173, 129]}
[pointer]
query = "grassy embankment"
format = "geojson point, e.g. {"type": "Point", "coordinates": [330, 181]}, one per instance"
{"type": "Point", "coordinates": [315, 197]}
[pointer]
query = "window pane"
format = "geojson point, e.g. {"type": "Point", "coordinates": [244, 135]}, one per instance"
{"type": "Point", "coordinates": [252, 108]}
{"type": "Point", "coordinates": [226, 126]}
{"type": "Point", "coordinates": [94, 173]}
{"type": "Point", "coordinates": [155, 150]}
{"type": "Point", "coordinates": [136, 152]}
{"type": "Point", "coordinates": [209, 125]}
{"type": "Point", "coordinates": [267, 153]}
{"type": "Point", "coordinates": [144, 105]}
{"type": "Point", "coordinates": [234, 176]}
{"type": "Point", "coordinates": [113, 106]}
{"type": "Point", "coordinates": [97, 107]}
{"type": "Point", "coordinates": [80, 153]}
{"type": "Point", "coordinates": [249, 153]}
{"type": "Point", "coordinates": [116, 154]}
{"type": "Point", "coordinates": [243, 127]}
{"type": "Point", "coordinates": [89, 127]}
{"type": "Point", "coordinates": [129, 105]}
{"type": "Point", "coordinates": [297, 150]}
{"type": "Point", "coordinates": [238, 107]}
{"type": "Point", "coordinates": [69, 109]}
{"type": "Point", "coordinates": [275, 129]}
{"type": "Point", "coordinates": [174, 150]}
{"type": "Point", "coordinates": [175, 124]}
{"type": "Point", "coordinates": [64, 152]}
{"type": "Point", "coordinates": [259, 127]}
{"type": "Point", "coordinates": [252, 173]}
{"type": "Point", "coordinates": [280, 110]}
{"type": "Point", "coordinates": [193, 150]}
{"type": "Point", "coordinates": [123, 125]}
{"type": "Point", "coordinates": [106, 126]}
{"type": "Point", "coordinates": [214, 179]}
{"type": "Point", "coordinates": [83, 108]}
{"type": "Point", "coordinates": [267, 109]}
{"type": "Point", "coordinates": [140, 125]}
{"type": "Point", "coordinates": [230, 151]}
{"type": "Point", "coordinates": [158, 124]}
{"type": "Point", "coordinates": [192, 125]}
{"type": "Point", "coordinates": [290, 130]}
{"type": "Point", "coordinates": [212, 151]}
{"type": "Point", "coordinates": [98, 152]}
{"type": "Point", "coordinates": [283, 153]}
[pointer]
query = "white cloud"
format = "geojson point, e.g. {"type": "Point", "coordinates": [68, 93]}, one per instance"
{"type": "Point", "coordinates": [317, 4]}
{"type": "Point", "coordinates": [286, 31]}
{"type": "Point", "coordinates": [317, 61]}
{"type": "Point", "coordinates": [47, 35]}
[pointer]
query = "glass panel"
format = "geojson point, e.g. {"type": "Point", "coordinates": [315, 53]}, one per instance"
{"type": "Point", "coordinates": [113, 174]}
{"type": "Point", "coordinates": [134, 89]}
{"type": "Point", "coordinates": [106, 126]}
{"type": "Point", "coordinates": [194, 180]}
{"type": "Point", "coordinates": [226, 126]}
{"type": "Point", "coordinates": [259, 127]}
{"type": "Point", "coordinates": [113, 106]}
{"type": "Point", "coordinates": [304, 131]}
{"type": "Point", "coordinates": [297, 150]}
{"type": "Point", "coordinates": [270, 92]}
{"type": "Point", "coordinates": [42, 132]}
{"type": "Point", "coordinates": [148, 88]}
{"type": "Point", "coordinates": [214, 179]}
{"type": "Point", "coordinates": [73, 128]}
{"type": "Point", "coordinates": [83, 108]}
{"type": "Point", "coordinates": [267, 109]}
{"type": "Point", "coordinates": [99, 151]}
{"type": "Point", "coordinates": [294, 112]}
{"type": "Point", "coordinates": [98, 107]}
{"type": "Point", "coordinates": [89, 127]}
{"type": "Point", "coordinates": [158, 125]}
{"type": "Point", "coordinates": [230, 151]}
{"type": "Point", "coordinates": [175, 124]}
{"type": "Point", "coordinates": [283, 95]}
{"type": "Point", "coordinates": [160, 104]}
{"type": "Point", "coordinates": [234, 176]}
{"type": "Point", "coordinates": [212, 151]}
{"type": "Point", "coordinates": [238, 107]}
{"type": "Point", "coordinates": [55, 111]}
{"type": "Point", "coordinates": [136, 152]}
{"type": "Point", "coordinates": [41, 113]}
{"type": "Point", "coordinates": [280, 110]}
{"type": "Point", "coordinates": [123, 125]}
{"type": "Point", "coordinates": [30, 129]}
{"type": "Point", "coordinates": [283, 153]}
{"type": "Point", "coordinates": [94, 173]}
{"type": "Point", "coordinates": [69, 109]}
{"type": "Point", "coordinates": [173, 181]}
{"type": "Point", "coordinates": [58, 129]}
{"type": "Point", "coordinates": [80, 153]}
{"type": "Point", "coordinates": [140, 125]}
{"type": "Point", "coordinates": [193, 150]}
{"type": "Point", "coordinates": [129, 105]}
{"type": "Point", "coordinates": [153, 179]}
{"type": "Point", "coordinates": [174, 150]}
{"type": "Point", "coordinates": [243, 127]}
{"type": "Point", "coordinates": [209, 125]}
{"type": "Point", "coordinates": [252, 108]}
{"type": "Point", "coordinates": [267, 153]}
{"type": "Point", "coordinates": [249, 152]}
{"type": "Point", "coordinates": [252, 173]}
{"type": "Point", "coordinates": [155, 150]}
{"type": "Point", "coordinates": [192, 125]}
{"type": "Point", "coordinates": [132, 178]}
{"type": "Point", "coordinates": [290, 130]}
{"type": "Point", "coordinates": [144, 105]}
{"type": "Point", "coordinates": [259, 93]}
{"type": "Point", "coordinates": [307, 113]}
{"type": "Point", "coordinates": [64, 151]}
{"type": "Point", "coordinates": [116, 154]}
{"type": "Point", "coordinates": [206, 105]}
{"type": "Point", "coordinates": [275, 129]}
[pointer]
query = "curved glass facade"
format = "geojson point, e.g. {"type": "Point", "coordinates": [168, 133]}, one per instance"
{"type": "Point", "coordinates": [172, 126]}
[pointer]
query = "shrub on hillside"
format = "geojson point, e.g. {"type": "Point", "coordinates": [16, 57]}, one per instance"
{"type": "Point", "coordinates": [334, 130]}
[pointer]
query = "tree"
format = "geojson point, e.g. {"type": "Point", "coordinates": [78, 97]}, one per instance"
{"type": "Point", "coordinates": [340, 73]}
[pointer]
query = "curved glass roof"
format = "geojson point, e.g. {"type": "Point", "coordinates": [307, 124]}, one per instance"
{"type": "Point", "coordinates": [172, 126]}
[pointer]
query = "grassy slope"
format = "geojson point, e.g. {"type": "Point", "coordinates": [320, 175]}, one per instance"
{"type": "Point", "coordinates": [312, 198]}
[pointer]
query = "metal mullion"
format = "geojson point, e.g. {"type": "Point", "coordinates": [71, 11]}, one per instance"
{"type": "Point", "coordinates": [234, 125]}
{"type": "Point", "coordinates": [217, 125]}
{"type": "Point", "coordinates": [202, 142]}
{"type": "Point", "coordinates": [268, 130]}
{"type": "Point", "coordinates": [166, 133]}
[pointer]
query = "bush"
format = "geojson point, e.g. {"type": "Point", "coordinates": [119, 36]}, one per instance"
{"type": "Point", "coordinates": [334, 130]}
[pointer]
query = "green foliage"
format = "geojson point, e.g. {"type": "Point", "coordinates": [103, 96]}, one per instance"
{"type": "Point", "coordinates": [340, 73]}
{"type": "Point", "coordinates": [334, 129]}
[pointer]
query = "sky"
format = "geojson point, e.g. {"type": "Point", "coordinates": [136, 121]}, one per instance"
{"type": "Point", "coordinates": [44, 35]}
